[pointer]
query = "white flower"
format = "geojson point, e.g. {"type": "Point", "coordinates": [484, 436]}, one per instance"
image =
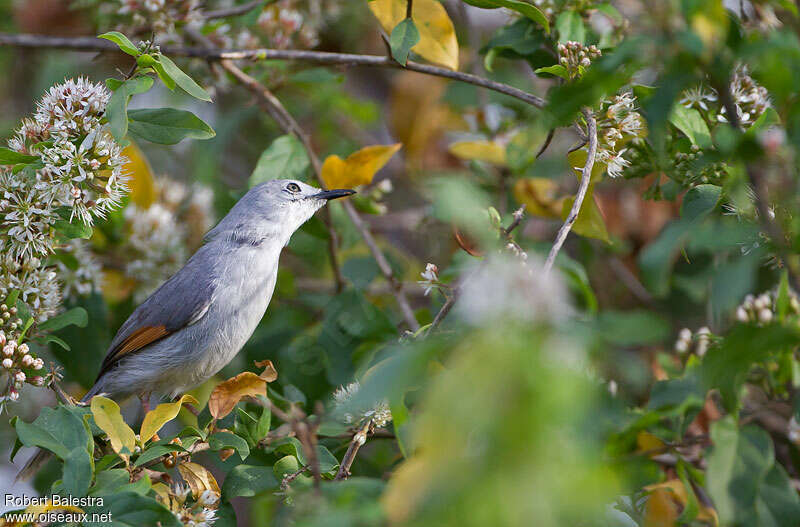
{"type": "Point", "coordinates": [794, 430]}
{"type": "Point", "coordinates": [19, 376]}
{"type": "Point", "coordinates": [703, 340]}
{"type": "Point", "coordinates": [614, 161]}
{"type": "Point", "coordinates": [741, 314]}
{"type": "Point", "coordinates": [38, 364]}
{"type": "Point", "coordinates": [697, 96]}
{"type": "Point", "coordinates": [83, 275]}
{"type": "Point", "coordinates": [7, 363]}
{"type": "Point", "coordinates": [430, 278]}
{"type": "Point", "coordinates": [765, 315]}
{"type": "Point", "coordinates": [27, 361]}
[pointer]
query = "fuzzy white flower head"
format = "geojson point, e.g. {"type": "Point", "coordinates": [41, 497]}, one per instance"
{"type": "Point", "coordinates": [354, 411]}
{"type": "Point", "coordinates": [208, 498]}
{"type": "Point", "coordinates": [505, 288]}
{"type": "Point", "coordinates": [84, 276]}
{"type": "Point", "coordinates": [7, 363]}
{"type": "Point", "coordinates": [38, 363]}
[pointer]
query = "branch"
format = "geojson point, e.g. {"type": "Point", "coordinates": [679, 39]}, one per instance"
{"type": "Point", "coordinates": [318, 57]}
{"type": "Point", "coordinates": [359, 439]}
{"type": "Point", "coordinates": [586, 177]}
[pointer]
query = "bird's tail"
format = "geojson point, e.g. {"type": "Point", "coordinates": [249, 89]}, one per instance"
{"type": "Point", "coordinates": [43, 456]}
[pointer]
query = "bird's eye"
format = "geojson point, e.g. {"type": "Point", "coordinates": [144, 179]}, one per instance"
{"type": "Point", "coordinates": [293, 187]}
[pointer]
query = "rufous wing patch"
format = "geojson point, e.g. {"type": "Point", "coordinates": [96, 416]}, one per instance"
{"type": "Point", "coordinates": [135, 341]}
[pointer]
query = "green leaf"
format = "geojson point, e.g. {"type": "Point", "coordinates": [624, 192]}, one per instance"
{"type": "Point", "coordinates": [223, 440]}
{"type": "Point", "coordinates": [691, 123]}
{"type": "Point", "coordinates": [117, 108]}
{"type": "Point", "coordinates": [570, 27]}
{"type": "Point", "coordinates": [56, 429]}
{"type": "Point", "coordinates": [528, 10]}
{"type": "Point", "coordinates": [76, 316]}
{"type": "Point", "coordinates": [248, 480]}
{"type": "Point", "coordinates": [165, 77]}
{"type": "Point", "coordinates": [782, 301]}
{"type": "Point", "coordinates": [73, 230]}
{"type": "Point", "coordinates": [405, 36]}
{"type": "Point", "coordinates": [122, 41]}
{"type": "Point", "coordinates": [186, 83]}
{"type": "Point", "coordinates": [284, 466]}
{"type": "Point", "coordinates": [10, 157]}
{"type": "Point", "coordinates": [611, 12]}
{"type": "Point", "coordinates": [556, 69]}
{"type": "Point", "coordinates": [167, 126]}
{"type": "Point", "coordinates": [77, 471]}
{"type": "Point", "coordinates": [699, 201]}
{"type": "Point", "coordinates": [130, 509]}
{"type": "Point", "coordinates": [155, 451]}
{"type": "Point", "coordinates": [778, 504]}
{"type": "Point", "coordinates": [737, 466]}
{"type": "Point", "coordinates": [725, 367]}
{"type": "Point", "coordinates": [284, 158]}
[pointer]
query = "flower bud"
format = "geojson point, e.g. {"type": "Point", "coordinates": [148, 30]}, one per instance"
{"type": "Point", "coordinates": [7, 363]}
{"type": "Point", "coordinates": [685, 334]}
{"type": "Point", "coordinates": [23, 349]}
{"type": "Point", "coordinates": [38, 364]}
{"type": "Point", "coordinates": [741, 314]}
{"type": "Point", "coordinates": [208, 498]}
{"type": "Point", "coordinates": [13, 394]}
{"type": "Point", "coordinates": [19, 376]}
{"type": "Point", "coordinates": [37, 380]}
{"type": "Point", "coordinates": [2, 339]}
{"type": "Point", "coordinates": [765, 315]}
{"type": "Point", "coordinates": [27, 361]}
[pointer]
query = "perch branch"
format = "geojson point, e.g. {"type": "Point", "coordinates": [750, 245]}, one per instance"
{"type": "Point", "coordinates": [586, 177]}
{"type": "Point", "coordinates": [318, 57]}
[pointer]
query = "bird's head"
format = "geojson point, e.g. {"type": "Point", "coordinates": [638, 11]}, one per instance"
{"type": "Point", "coordinates": [278, 206]}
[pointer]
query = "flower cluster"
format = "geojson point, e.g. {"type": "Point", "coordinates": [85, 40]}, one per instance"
{"type": "Point", "coordinates": [618, 122]}
{"type": "Point", "coordinates": [37, 285]}
{"type": "Point", "coordinates": [576, 57]}
{"type": "Point", "coordinates": [80, 173]}
{"type": "Point", "coordinates": [161, 236]}
{"type": "Point", "coordinates": [701, 339]}
{"type": "Point", "coordinates": [763, 308]}
{"type": "Point", "coordinates": [161, 16]}
{"type": "Point", "coordinates": [749, 98]}
{"type": "Point", "coordinates": [201, 513]}
{"type": "Point", "coordinates": [286, 26]}
{"type": "Point", "coordinates": [354, 412]}
{"type": "Point", "coordinates": [16, 359]}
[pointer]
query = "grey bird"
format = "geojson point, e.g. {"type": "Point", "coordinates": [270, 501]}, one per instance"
{"type": "Point", "coordinates": [198, 320]}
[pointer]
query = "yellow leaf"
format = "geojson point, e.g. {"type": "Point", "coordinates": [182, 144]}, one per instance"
{"type": "Point", "coordinates": [359, 168]}
{"type": "Point", "coordinates": [437, 36]}
{"type": "Point", "coordinates": [228, 393]}
{"type": "Point", "coordinates": [645, 442]}
{"type": "Point", "coordinates": [141, 181]}
{"type": "Point", "coordinates": [539, 197]}
{"type": "Point", "coordinates": [270, 373]}
{"type": "Point", "coordinates": [198, 478]}
{"type": "Point", "coordinates": [488, 151]}
{"type": "Point", "coordinates": [665, 503]}
{"type": "Point", "coordinates": [590, 222]}
{"type": "Point", "coordinates": [161, 415]}
{"type": "Point", "coordinates": [108, 417]}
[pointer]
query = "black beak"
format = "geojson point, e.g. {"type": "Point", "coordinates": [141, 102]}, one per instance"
{"type": "Point", "coordinates": [334, 194]}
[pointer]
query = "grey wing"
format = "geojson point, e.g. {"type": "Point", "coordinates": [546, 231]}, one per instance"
{"type": "Point", "coordinates": [180, 301]}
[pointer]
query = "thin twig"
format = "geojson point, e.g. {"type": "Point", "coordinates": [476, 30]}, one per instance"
{"type": "Point", "coordinates": [586, 177]}
{"type": "Point", "coordinates": [409, 8]}
{"type": "Point", "coordinates": [359, 438]}
{"type": "Point", "coordinates": [319, 57]}
{"type": "Point", "coordinates": [546, 143]}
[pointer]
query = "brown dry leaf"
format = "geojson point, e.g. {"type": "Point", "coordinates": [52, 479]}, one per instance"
{"type": "Point", "coordinates": [539, 197]}
{"type": "Point", "coordinates": [198, 478]}
{"type": "Point", "coordinates": [359, 168]}
{"type": "Point", "coordinates": [225, 396]}
{"type": "Point", "coordinates": [489, 151]}
{"type": "Point", "coordinates": [467, 243]}
{"type": "Point", "coordinates": [141, 181]}
{"type": "Point", "coordinates": [269, 374]}
{"type": "Point", "coordinates": [437, 35]}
